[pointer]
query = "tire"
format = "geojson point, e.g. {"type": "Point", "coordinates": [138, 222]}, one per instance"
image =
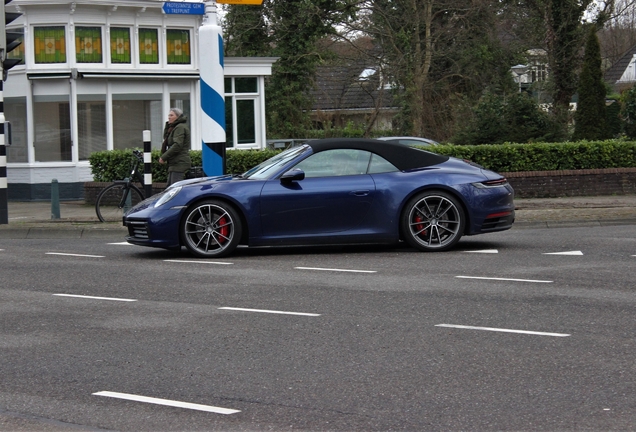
{"type": "Point", "coordinates": [211, 229]}
{"type": "Point", "coordinates": [112, 203]}
{"type": "Point", "coordinates": [433, 221]}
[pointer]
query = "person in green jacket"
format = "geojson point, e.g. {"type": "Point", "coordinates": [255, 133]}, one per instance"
{"type": "Point", "coordinates": [175, 150]}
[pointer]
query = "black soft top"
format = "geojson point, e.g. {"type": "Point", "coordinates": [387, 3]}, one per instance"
{"type": "Point", "coordinates": [401, 156]}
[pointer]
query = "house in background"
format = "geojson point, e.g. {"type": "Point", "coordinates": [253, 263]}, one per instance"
{"type": "Point", "coordinates": [352, 93]}
{"type": "Point", "coordinates": [97, 74]}
{"type": "Point", "coordinates": [622, 74]}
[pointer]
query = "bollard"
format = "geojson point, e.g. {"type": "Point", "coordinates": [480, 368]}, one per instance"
{"type": "Point", "coordinates": [147, 163]}
{"type": "Point", "coordinates": [55, 199]}
{"type": "Point", "coordinates": [128, 201]}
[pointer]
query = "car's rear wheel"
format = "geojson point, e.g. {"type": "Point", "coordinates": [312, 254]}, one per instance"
{"type": "Point", "coordinates": [433, 221]}
{"type": "Point", "coordinates": [211, 229]}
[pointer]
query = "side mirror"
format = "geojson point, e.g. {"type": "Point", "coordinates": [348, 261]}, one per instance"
{"type": "Point", "coordinates": [292, 176]}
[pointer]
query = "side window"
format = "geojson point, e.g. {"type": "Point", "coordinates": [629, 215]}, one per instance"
{"type": "Point", "coordinates": [380, 165]}
{"type": "Point", "coordinates": [333, 163]}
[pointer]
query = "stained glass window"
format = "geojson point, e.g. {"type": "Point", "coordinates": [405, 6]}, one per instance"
{"type": "Point", "coordinates": [119, 45]}
{"type": "Point", "coordinates": [49, 44]}
{"type": "Point", "coordinates": [178, 46]}
{"type": "Point", "coordinates": [148, 46]}
{"type": "Point", "coordinates": [17, 52]}
{"type": "Point", "coordinates": [88, 44]}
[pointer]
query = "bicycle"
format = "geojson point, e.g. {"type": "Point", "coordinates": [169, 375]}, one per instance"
{"type": "Point", "coordinates": [116, 199]}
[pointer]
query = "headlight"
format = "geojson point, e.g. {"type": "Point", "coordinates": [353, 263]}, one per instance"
{"type": "Point", "coordinates": [168, 195]}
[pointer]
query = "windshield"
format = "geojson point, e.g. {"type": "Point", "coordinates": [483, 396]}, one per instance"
{"type": "Point", "coordinates": [265, 169]}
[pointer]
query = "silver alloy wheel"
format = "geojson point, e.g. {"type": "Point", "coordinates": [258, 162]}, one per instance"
{"type": "Point", "coordinates": [435, 222]}
{"type": "Point", "coordinates": [211, 229]}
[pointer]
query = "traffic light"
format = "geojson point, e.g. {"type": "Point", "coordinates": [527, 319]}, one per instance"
{"type": "Point", "coordinates": [8, 40]}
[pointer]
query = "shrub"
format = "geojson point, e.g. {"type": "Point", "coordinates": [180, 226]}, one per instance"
{"type": "Point", "coordinates": [508, 157]}
{"type": "Point", "coordinates": [108, 166]}
{"type": "Point", "coordinates": [497, 119]}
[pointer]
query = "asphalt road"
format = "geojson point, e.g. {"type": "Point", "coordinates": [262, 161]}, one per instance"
{"type": "Point", "coordinates": [528, 329]}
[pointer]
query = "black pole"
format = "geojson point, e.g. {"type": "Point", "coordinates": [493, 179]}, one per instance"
{"type": "Point", "coordinates": [4, 196]}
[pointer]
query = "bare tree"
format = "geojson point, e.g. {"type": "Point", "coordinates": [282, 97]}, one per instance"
{"type": "Point", "coordinates": [433, 50]}
{"type": "Point", "coordinates": [619, 33]}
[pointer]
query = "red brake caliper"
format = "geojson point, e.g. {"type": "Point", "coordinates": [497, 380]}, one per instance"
{"type": "Point", "coordinates": [419, 226]}
{"type": "Point", "coordinates": [224, 230]}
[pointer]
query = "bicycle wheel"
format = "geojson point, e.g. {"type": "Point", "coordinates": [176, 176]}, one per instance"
{"type": "Point", "coordinates": [115, 200]}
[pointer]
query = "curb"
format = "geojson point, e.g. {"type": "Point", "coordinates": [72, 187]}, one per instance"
{"type": "Point", "coordinates": [573, 223]}
{"type": "Point", "coordinates": [57, 231]}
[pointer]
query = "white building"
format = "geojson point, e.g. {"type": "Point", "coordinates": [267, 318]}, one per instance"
{"type": "Point", "coordinates": [95, 74]}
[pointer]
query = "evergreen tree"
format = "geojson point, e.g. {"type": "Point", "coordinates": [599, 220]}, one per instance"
{"type": "Point", "coordinates": [245, 31]}
{"type": "Point", "coordinates": [590, 112]}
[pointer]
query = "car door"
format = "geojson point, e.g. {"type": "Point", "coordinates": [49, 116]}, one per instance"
{"type": "Point", "coordinates": [334, 197]}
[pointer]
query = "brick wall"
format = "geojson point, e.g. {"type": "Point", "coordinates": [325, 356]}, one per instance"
{"type": "Point", "coordinates": [527, 184]}
{"type": "Point", "coordinates": [552, 184]}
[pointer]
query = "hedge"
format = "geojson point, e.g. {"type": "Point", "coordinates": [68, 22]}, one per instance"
{"type": "Point", "coordinates": [107, 166]}
{"type": "Point", "coordinates": [547, 157]}
{"type": "Point", "coordinates": [112, 165]}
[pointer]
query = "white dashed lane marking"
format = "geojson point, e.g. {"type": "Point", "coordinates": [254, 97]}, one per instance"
{"type": "Point", "coordinates": [75, 255]}
{"type": "Point", "coordinates": [503, 330]}
{"type": "Point", "coordinates": [270, 311]}
{"type": "Point", "coordinates": [95, 298]}
{"type": "Point", "coordinates": [504, 279]}
{"type": "Point", "coordinates": [167, 402]}
{"type": "Point", "coordinates": [577, 253]}
{"type": "Point", "coordinates": [335, 270]}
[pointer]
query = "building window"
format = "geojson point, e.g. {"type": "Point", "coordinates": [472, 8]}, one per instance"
{"type": "Point", "coordinates": [91, 125]}
{"type": "Point", "coordinates": [17, 52]}
{"type": "Point", "coordinates": [241, 110]}
{"type": "Point", "coordinates": [134, 113]}
{"type": "Point", "coordinates": [52, 127]}
{"type": "Point", "coordinates": [119, 45]}
{"type": "Point", "coordinates": [148, 46]}
{"type": "Point", "coordinates": [539, 73]}
{"type": "Point", "coordinates": [88, 44]}
{"type": "Point", "coordinates": [15, 110]}
{"type": "Point", "coordinates": [49, 44]}
{"type": "Point", "coordinates": [178, 46]}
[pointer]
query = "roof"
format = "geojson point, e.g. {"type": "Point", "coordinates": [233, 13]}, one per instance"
{"type": "Point", "coordinates": [615, 73]}
{"type": "Point", "coordinates": [349, 87]}
{"type": "Point", "coordinates": [402, 157]}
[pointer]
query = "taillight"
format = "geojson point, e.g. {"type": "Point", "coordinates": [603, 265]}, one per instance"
{"type": "Point", "coordinates": [500, 182]}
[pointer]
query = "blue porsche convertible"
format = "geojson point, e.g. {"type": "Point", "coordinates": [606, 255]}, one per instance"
{"type": "Point", "coordinates": [332, 191]}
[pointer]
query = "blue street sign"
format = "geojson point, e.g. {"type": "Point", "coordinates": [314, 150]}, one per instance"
{"type": "Point", "coordinates": [184, 8]}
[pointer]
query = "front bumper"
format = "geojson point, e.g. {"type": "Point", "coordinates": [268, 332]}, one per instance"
{"type": "Point", "coordinates": [154, 227]}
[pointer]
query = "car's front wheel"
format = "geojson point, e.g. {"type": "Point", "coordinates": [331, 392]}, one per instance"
{"type": "Point", "coordinates": [433, 221]}
{"type": "Point", "coordinates": [211, 229]}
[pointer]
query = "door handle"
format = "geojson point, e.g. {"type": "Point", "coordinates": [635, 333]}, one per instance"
{"type": "Point", "coordinates": [359, 193]}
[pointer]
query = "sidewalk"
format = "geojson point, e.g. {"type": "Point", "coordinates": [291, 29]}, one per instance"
{"type": "Point", "coordinates": [77, 219]}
